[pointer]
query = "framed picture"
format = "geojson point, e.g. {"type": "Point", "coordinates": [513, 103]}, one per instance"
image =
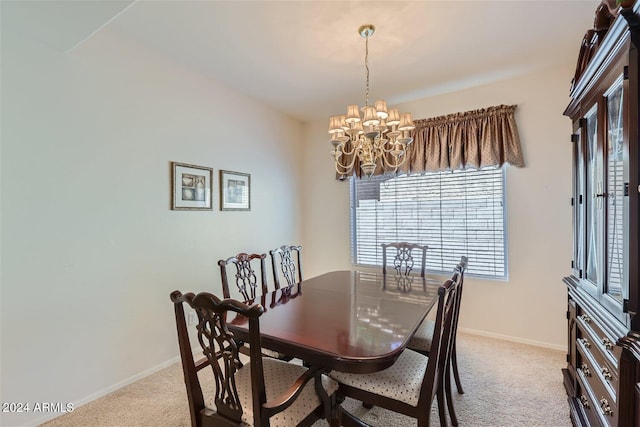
{"type": "Point", "coordinates": [190, 187]}
{"type": "Point", "coordinates": [235, 191]}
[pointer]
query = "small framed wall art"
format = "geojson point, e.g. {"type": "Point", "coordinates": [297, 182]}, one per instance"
{"type": "Point", "coordinates": [235, 191]}
{"type": "Point", "coordinates": [190, 187]}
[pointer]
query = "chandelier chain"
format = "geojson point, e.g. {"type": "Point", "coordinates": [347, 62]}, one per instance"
{"type": "Point", "coordinates": [366, 66]}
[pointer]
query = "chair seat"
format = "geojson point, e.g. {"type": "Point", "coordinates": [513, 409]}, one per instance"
{"type": "Point", "coordinates": [278, 377]}
{"type": "Point", "coordinates": [421, 340]}
{"type": "Point", "coordinates": [401, 381]}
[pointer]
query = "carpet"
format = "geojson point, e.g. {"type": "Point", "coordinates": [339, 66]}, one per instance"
{"type": "Point", "coordinates": [506, 384]}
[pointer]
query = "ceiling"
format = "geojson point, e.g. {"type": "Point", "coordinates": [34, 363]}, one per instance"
{"type": "Point", "coordinates": [306, 58]}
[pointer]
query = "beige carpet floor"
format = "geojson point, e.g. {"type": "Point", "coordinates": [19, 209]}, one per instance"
{"type": "Point", "coordinates": [505, 384]}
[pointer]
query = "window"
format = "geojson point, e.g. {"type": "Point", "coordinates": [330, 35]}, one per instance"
{"type": "Point", "coordinates": [456, 213]}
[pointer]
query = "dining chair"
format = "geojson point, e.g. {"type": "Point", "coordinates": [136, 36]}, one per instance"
{"type": "Point", "coordinates": [247, 280]}
{"type": "Point", "coordinates": [286, 260]}
{"type": "Point", "coordinates": [250, 284]}
{"type": "Point", "coordinates": [423, 337]}
{"type": "Point", "coordinates": [262, 392]}
{"type": "Point", "coordinates": [403, 260]}
{"type": "Point", "coordinates": [413, 381]}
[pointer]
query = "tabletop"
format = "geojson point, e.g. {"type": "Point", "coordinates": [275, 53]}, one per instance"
{"type": "Point", "coordinates": [349, 321]}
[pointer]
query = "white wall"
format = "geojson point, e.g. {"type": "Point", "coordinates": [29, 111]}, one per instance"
{"type": "Point", "coordinates": [531, 305]}
{"type": "Point", "coordinates": [90, 248]}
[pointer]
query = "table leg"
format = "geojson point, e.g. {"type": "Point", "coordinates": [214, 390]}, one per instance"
{"type": "Point", "coordinates": [350, 420]}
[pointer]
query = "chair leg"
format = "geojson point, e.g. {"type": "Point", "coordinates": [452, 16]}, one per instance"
{"type": "Point", "coordinates": [441, 403]}
{"type": "Point", "coordinates": [449, 397]}
{"type": "Point", "coordinates": [456, 376]}
{"type": "Point", "coordinates": [335, 419]}
{"type": "Point", "coordinates": [424, 420]}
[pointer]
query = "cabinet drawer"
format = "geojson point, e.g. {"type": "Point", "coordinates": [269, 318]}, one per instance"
{"type": "Point", "coordinates": [601, 397]}
{"type": "Point", "coordinates": [586, 403]}
{"type": "Point", "coordinates": [605, 342]}
{"type": "Point", "coordinates": [601, 364]}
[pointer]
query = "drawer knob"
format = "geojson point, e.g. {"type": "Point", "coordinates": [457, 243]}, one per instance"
{"type": "Point", "coordinates": [584, 401]}
{"type": "Point", "coordinates": [606, 342]}
{"type": "Point", "coordinates": [606, 373]}
{"type": "Point", "coordinates": [604, 405]}
{"type": "Point", "coordinates": [585, 343]}
{"type": "Point", "coordinates": [585, 318]}
{"type": "Point", "coordinates": [585, 370]}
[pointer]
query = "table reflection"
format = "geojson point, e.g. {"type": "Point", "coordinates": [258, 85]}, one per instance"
{"type": "Point", "coordinates": [345, 317]}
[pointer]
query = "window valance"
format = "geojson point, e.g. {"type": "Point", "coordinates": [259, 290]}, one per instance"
{"type": "Point", "coordinates": [478, 138]}
{"type": "Point", "coordinates": [485, 137]}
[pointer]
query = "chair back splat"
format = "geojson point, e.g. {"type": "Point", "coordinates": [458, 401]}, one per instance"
{"type": "Point", "coordinates": [247, 281]}
{"type": "Point", "coordinates": [404, 260]}
{"type": "Point", "coordinates": [286, 260]}
{"type": "Point", "coordinates": [220, 350]}
{"type": "Point", "coordinates": [251, 283]}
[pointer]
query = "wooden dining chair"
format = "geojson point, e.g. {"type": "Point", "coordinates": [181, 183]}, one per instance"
{"type": "Point", "coordinates": [403, 260]}
{"type": "Point", "coordinates": [413, 381]}
{"type": "Point", "coordinates": [249, 283]}
{"type": "Point", "coordinates": [286, 260]}
{"type": "Point", "coordinates": [262, 392]}
{"type": "Point", "coordinates": [423, 337]}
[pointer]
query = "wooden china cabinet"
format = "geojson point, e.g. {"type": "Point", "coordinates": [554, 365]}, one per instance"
{"type": "Point", "coordinates": [602, 377]}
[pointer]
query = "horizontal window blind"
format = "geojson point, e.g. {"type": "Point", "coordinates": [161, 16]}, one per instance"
{"type": "Point", "coordinates": [455, 213]}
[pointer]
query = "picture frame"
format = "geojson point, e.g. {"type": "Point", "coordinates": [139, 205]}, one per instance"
{"type": "Point", "coordinates": [235, 191]}
{"type": "Point", "coordinates": [191, 187]}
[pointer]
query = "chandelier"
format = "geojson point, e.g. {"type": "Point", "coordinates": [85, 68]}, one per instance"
{"type": "Point", "coordinates": [380, 137]}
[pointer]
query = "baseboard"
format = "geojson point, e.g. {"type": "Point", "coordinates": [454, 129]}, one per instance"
{"type": "Point", "coordinates": [78, 403]}
{"type": "Point", "coordinates": [512, 339]}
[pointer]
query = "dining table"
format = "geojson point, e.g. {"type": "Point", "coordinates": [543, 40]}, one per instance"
{"type": "Point", "coordinates": [349, 321]}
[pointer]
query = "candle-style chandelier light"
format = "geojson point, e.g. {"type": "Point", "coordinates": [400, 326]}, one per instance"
{"type": "Point", "coordinates": [380, 137]}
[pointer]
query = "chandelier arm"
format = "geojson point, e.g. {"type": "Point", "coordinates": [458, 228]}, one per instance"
{"type": "Point", "coordinates": [385, 143]}
{"type": "Point", "coordinates": [344, 170]}
{"type": "Point", "coordinates": [348, 153]}
{"type": "Point", "coordinates": [342, 165]}
{"type": "Point", "coordinates": [395, 165]}
{"type": "Point", "coordinates": [390, 149]}
{"type": "Point", "coordinates": [380, 152]}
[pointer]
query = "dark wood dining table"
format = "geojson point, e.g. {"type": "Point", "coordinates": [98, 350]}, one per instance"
{"type": "Point", "coordinates": [350, 321]}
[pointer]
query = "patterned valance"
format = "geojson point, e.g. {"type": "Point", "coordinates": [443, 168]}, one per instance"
{"type": "Point", "coordinates": [485, 137]}
{"type": "Point", "coordinates": [478, 138]}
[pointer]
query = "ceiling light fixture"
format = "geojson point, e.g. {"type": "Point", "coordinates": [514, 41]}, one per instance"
{"type": "Point", "coordinates": [380, 137]}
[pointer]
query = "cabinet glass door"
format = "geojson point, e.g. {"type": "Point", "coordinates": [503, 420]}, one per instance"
{"type": "Point", "coordinates": [616, 208]}
{"type": "Point", "coordinates": [593, 200]}
{"type": "Point", "coordinates": [578, 207]}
